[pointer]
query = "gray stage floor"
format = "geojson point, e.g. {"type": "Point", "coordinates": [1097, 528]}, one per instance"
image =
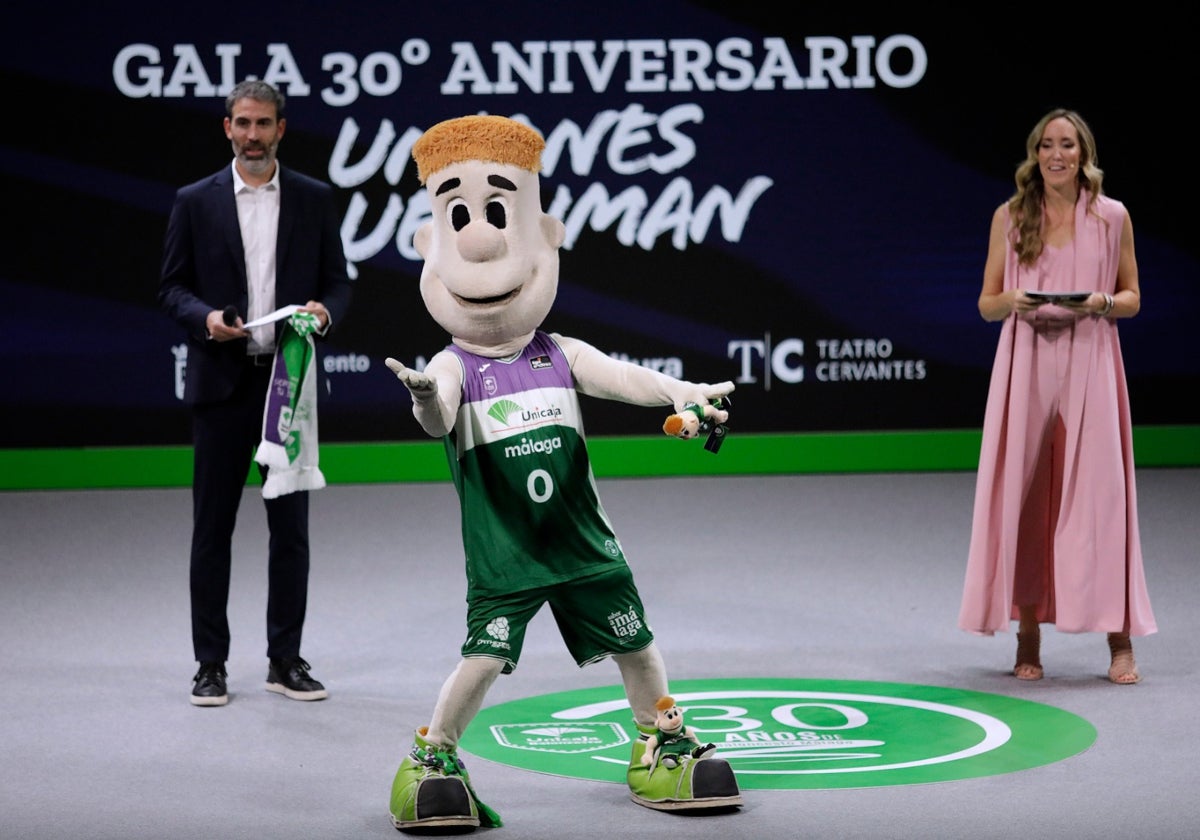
{"type": "Point", "coordinates": [832, 577]}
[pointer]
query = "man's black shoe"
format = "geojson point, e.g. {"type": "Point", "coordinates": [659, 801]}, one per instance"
{"type": "Point", "coordinates": [290, 677]}
{"type": "Point", "coordinates": [208, 686]}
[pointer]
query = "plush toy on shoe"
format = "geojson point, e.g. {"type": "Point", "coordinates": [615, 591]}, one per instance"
{"type": "Point", "coordinates": [503, 396]}
{"type": "Point", "coordinates": [673, 739]}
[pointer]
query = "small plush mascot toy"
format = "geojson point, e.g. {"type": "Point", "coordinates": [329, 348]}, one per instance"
{"type": "Point", "coordinates": [503, 396]}
{"type": "Point", "coordinates": [674, 742]}
{"type": "Point", "coordinates": [696, 420]}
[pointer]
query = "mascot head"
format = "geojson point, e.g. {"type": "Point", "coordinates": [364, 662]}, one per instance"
{"type": "Point", "coordinates": [491, 255]}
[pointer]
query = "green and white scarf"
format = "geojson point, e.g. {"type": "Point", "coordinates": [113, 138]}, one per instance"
{"type": "Point", "coordinates": [289, 439]}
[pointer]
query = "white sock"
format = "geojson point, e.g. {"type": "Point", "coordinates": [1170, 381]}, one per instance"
{"type": "Point", "coordinates": [645, 677]}
{"type": "Point", "coordinates": [461, 698]}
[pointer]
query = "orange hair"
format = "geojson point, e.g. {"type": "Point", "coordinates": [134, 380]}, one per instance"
{"type": "Point", "coordinates": [482, 137]}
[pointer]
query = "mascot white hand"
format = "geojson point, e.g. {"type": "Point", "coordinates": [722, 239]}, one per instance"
{"type": "Point", "coordinates": [421, 387]}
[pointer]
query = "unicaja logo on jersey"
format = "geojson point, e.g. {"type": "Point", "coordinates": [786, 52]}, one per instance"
{"type": "Point", "coordinates": [502, 410]}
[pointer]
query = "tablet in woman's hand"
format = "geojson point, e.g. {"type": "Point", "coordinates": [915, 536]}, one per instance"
{"type": "Point", "coordinates": [1059, 297]}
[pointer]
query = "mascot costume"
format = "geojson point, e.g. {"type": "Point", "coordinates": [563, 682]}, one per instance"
{"type": "Point", "coordinates": [503, 396]}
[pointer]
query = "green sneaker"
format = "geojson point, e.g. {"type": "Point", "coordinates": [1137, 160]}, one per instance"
{"type": "Point", "coordinates": [689, 782]}
{"type": "Point", "coordinates": [432, 790]}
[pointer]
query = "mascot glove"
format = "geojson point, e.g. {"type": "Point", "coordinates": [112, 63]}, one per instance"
{"type": "Point", "coordinates": [422, 386]}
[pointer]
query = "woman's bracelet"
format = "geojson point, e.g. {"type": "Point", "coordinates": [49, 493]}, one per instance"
{"type": "Point", "coordinates": [1108, 305]}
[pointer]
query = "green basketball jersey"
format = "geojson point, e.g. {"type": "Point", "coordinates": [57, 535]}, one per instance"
{"type": "Point", "coordinates": [531, 515]}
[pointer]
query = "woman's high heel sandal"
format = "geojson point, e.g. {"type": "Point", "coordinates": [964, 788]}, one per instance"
{"type": "Point", "coordinates": [1029, 660]}
{"type": "Point", "coordinates": [1123, 670]}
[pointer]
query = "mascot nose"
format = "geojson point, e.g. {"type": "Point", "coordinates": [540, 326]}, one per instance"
{"type": "Point", "coordinates": [480, 242]}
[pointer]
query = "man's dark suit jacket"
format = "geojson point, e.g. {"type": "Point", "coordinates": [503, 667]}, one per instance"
{"type": "Point", "coordinates": [204, 268]}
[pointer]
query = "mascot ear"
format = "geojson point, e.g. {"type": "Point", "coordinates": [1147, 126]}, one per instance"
{"type": "Point", "coordinates": [421, 239]}
{"type": "Point", "coordinates": [553, 230]}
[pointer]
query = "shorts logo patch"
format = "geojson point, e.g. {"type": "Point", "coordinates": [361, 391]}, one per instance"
{"type": "Point", "coordinates": [498, 629]}
{"type": "Point", "coordinates": [625, 624]}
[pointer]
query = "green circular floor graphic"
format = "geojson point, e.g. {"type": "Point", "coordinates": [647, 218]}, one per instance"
{"type": "Point", "coordinates": [782, 734]}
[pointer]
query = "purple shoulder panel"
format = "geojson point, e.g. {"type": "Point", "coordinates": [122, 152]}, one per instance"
{"type": "Point", "coordinates": [540, 365]}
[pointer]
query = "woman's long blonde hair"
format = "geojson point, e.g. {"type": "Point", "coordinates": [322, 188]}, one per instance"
{"type": "Point", "coordinates": [1025, 206]}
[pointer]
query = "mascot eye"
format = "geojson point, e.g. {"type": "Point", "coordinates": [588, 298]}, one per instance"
{"type": "Point", "coordinates": [497, 216]}
{"type": "Point", "coordinates": [459, 215]}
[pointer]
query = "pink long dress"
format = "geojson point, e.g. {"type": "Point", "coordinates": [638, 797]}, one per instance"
{"type": "Point", "coordinates": [1055, 521]}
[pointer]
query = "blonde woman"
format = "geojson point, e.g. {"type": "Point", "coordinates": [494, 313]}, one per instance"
{"type": "Point", "coordinates": [1055, 528]}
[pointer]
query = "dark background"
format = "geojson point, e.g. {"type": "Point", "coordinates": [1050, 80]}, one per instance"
{"type": "Point", "coordinates": [875, 225]}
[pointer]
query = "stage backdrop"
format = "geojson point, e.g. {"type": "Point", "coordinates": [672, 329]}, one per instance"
{"type": "Point", "coordinates": [797, 203]}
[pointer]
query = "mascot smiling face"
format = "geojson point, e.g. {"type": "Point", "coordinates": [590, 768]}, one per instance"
{"type": "Point", "coordinates": [491, 255]}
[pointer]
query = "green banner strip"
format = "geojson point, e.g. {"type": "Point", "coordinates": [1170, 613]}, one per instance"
{"type": "Point", "coordinates": [612, 457]}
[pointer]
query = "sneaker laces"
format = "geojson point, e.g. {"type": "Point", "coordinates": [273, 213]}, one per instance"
{"type": "Point", "coordinates": [206, 672]}
{"type": "Point", "coordinates": [444, 761]}
{"type": "Point", "coordinates": [298, 662]}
